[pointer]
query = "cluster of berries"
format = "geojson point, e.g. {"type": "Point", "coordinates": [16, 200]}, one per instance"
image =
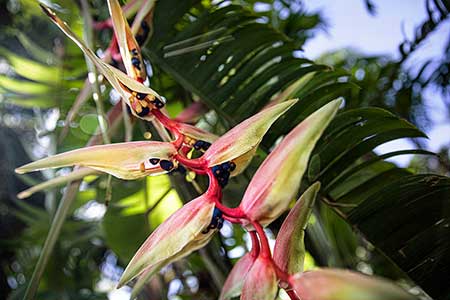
{"type": "Point", "coordinates": [222, 172]}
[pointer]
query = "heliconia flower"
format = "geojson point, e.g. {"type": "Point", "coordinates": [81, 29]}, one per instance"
{"type": "Point", "coordinates": [128, 46]}
{"type": "Point", "coordinates": [187, 230]}
{"type": "Point", "coordinates": [289, 251]}
{"type": "Point", "coordinates": [245, 137]}
{"type": "Point", "coordinates": [277, 180]}
{"type": "Point", "coordinates": [123, 160]}
{"type": "Point", "coordinates": [139, 97]}
{"type": "Point", "coordinates": [261, 281]}
{"type": "Point", "coordinates": [57, 181]}
{"type": "Point", "coordinates": [235, 281]}
{"type": "Point", "coordinates": [333, 284]}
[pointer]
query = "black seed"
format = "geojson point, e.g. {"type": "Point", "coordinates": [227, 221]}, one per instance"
{"type": "Point", "coordinates": [144, 112]}
{"type": "Point", "coordinates": [226, 166]}
{"type": "Point", "coordinates": [217, 170]}
{"type": "Point", "coordinates": [158, 103]}
{"type": "Point", "coordinates": [134, 52]}
{"type": "Point", "coordinates": [206, 145]}
{"type": "Point", "coordinates": [154, 161]}
{"type": "Point", "coordinates": [166, 165]}
{"type": "Point", "coordinates": [141, 96]}
{"type": "Point", "coordinates": [136, 63]}
{"type": "Point", "coordinates": [223, 181]}
{"type": "Point", "coordinates": [217, 213]}
{"type": "Point", "coordinates": [199, 145]}
{"type": "Point", "coordinates": [232, 166]}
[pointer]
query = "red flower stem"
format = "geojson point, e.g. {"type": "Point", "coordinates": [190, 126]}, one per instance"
{"type": "Point", "coordinates": [198, 165]}
{"type": "Point", "coordinates": [265, 249]}
{"type": "Point", "coordinates": [185, 150]}
{"type": "Point", "coordinates": [255, 243]}
{"type": "Point", "coordinates": [232, 220]}
{"type": "Point", "coordinates": [234, 213]}
{"type": "Point", "coordinates": [170, 124]}
{"type": "Point", "coordinates": [292, 295]}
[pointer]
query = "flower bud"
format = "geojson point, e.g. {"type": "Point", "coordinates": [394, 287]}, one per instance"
{"type": "Point", "coordinates": [178, 236]}
{"type": "Point", "coordinates": [244, 138]}
{"type": "Point", "coordinates": [277, 180]}
{"type": "Point", "coordinates": [289, 251]}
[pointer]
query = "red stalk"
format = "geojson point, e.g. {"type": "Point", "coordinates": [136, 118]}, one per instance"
{"type": "Point", "coordinates": [255, 243]}
{"type": "Point", "coordinates": [265, 249]}
{"type": "Point", "coordinates": [198, 165]}
{"type": "Point", "coordinates": [292, 295]}
{"type": "Point", "coordinates": [165, 120]}
{"type": "Point", "coordinates": [234, 213]}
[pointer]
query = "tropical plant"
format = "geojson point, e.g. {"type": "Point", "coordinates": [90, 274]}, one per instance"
{"type": "Point", "coordinates": [243, 71]}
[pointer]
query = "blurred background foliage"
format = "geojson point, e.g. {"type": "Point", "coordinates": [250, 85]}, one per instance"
{"type": "Point", "coordinates": [233, 56]}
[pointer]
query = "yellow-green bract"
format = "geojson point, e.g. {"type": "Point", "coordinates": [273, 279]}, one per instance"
{"type": "Point", "coordinates": [123, 160]}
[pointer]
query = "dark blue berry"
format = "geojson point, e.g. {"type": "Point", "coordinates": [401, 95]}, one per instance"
{"type": "Point", "coordinates": [226, 166]}
{"type": "Point", "coordinates": [154, 161]}
{"type": "Point", "coordinates": [216, 220]}
{"type": "Point", "coordinates": [141, 96]}
{"type": "Point", "coordinates": [199, 145]}
{"type": "Point", "coordinates": [158, 103]}
{"type": "Point", "coordinates": [217, 170]}
{"type": "Point", "coordinates": [136, 63]}
{"type": "Point", "coordinates": [206, 145]}
{"type": "Point", "coordinates": [223, 181]}
{"type": "Point", "coordinates": [141, 37]}
{"type": "Point", "coordinates": [144, 112]}
{"type": "Point", "coordinates": [166, 165]}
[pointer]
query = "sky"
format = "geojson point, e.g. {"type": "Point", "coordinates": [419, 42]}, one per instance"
{"type": "Point", "coordinates": [350, 25]}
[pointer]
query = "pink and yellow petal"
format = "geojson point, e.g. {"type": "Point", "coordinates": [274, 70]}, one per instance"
{"type": "Point", "coordinates": [181, 233]}
{"type": "Point", "coordinates": [277, 180]}
{"type": "Point", "coordinates": [123, 160]}
{"type": "Point", "coordinates": [246, 136]}
{"type": "Point", "coordinates": [289, 251]}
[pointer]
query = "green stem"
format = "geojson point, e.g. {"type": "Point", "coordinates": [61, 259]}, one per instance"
{"type": "Point", "coordinates": [53, 234]}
